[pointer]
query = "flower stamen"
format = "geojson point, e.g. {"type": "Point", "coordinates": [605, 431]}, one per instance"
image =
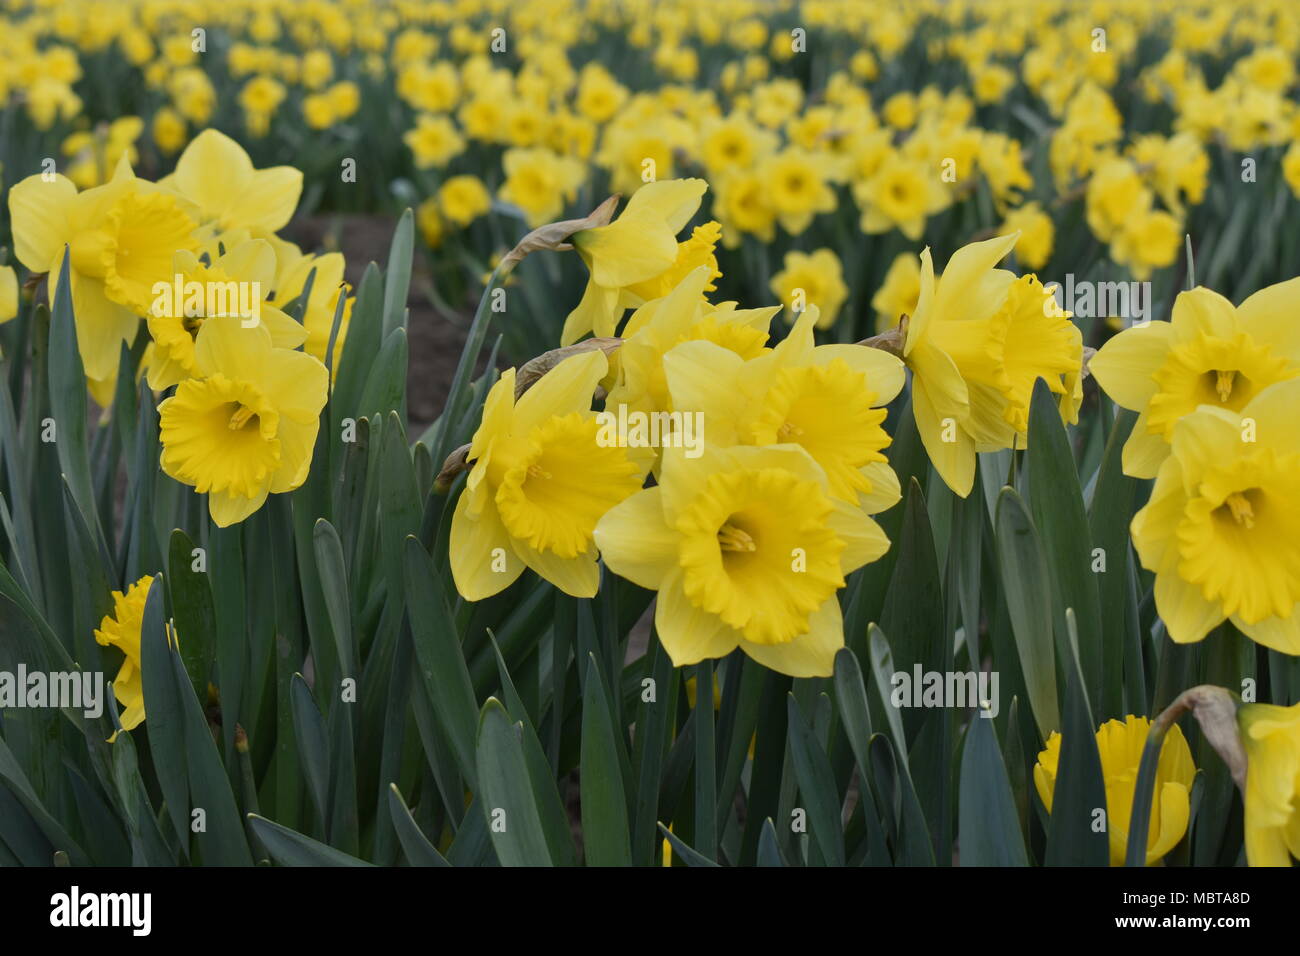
{"type": "Point", "coordinates": [731, 538]}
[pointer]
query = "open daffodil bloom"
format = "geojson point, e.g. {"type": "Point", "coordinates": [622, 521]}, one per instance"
{"type": "Point", "coordinates": [747, 548]}
{"type": "Point", "coordinates": [246, 425]}
{"type": "Point", "coordinates": [539, 482]}
{"type": "Point", "coordinates": [1208, 354]}
{"type": "Point", "coordinates": [1221, 531]}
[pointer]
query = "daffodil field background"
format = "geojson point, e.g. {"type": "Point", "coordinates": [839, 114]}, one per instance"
{"type": "Point", "coordinates": [339, 634]}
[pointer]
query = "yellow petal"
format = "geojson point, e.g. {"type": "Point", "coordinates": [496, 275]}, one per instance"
{"type": "Point", "coordinates": [953, 460]}
{"type": "Point", "coordinates": [577, 577]}
{"type": "Point", "coordinates": [809, 655]}
{"type": "Point", "coordinates": [1187, 615]}
{"type": "Point", "coordinates": [568, 387]}
{"type": "Point", "coordinates": [102, 325]}
{"type": "Point", "coordinates": [8, 293]}
{"type": "Point", "coordinates": [225, 345]}
{"type": "Point", "coordinates": [1174, 813]}
{"type": "Point", "coordinates": [1282, 634]}
{"type": "Point", "coordinates": [885, 373]}
{"type": "Point", "coordinates": [636, 542]}
{"type": "Point", "coordinates": [674, 201]}
{"type": "Point", "coordinates": [483, 562]}
{"type": "Point", "coordinates": [885, 490]}
{"type": "Point", "coordinates": [1200, 311]}
{"type": "Point", "coordinates": [687, 633]}
{"type": "Point", "coordinates": [1144, 451]}
{"type": "Point", "coordinates": [966, 272]}
{"type": "Point", "coordinates": [630, 250]}
{"type": "Point", "coordinates": [297, 442]}
{"type": "Point", "coordinates": [1125, 365]}
{"type": "Point", "coordinates": [41, 220]}
{"type": "Point", "coordinates": [1270, 316]}
{"type": "Point", "coordinates": [597, 312]}
{"type": "Point", "coordinates": [296, 383]}
{"type": "Point", "coordinates": [227, 509]}
{"type": "Point", "coordinates": [864, 539]}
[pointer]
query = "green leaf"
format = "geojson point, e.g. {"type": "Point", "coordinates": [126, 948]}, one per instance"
{"type": "Point", "coordinates": [419, 851]}
{"type": "Point", "coordinates": [164, 713]}
{"type": "Point", "coordinates": [550, 806]}
{"type": "Point", "coordinates": [689, 855]}
{"type": "Point", "coordinates": [291, 848]}
{"type": "Point", "coordinates": [334, 588]}
{"type": "Point", "coordinates": [604, 804]}
{"type": "Point", "coordinates": [397, 277]}
{"type": "Point", "coordinates": [769, 852]}
{"type": "Point", "coordinates": [193, 612]}
{"type": "Point", "coordinates": [442, 664]}
{"type": "Point", "coordinates": [1108, 520]}
{"type": "Point", "coordinates": [313, 747]}
{"type": "Point", "coordinates": [1080, 789]}
{"type": "Point", "coordinates": [1025, 583]}
{"type": "Point", "coordinates": [817, 784]}
{"type": "Point", "coordinates": [511, 812]}
{"type": "Point", "coordinates": [988, 825]}
{"type": "Point", "coordinates": [1057, 506]}
{"type": "Point", "coordinates": [68, 399]}
{"type": "Point", "coordinates": [386, 384]}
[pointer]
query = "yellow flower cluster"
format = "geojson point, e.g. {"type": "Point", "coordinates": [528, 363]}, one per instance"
{"type": "Point", "coordinates": [196, 257]}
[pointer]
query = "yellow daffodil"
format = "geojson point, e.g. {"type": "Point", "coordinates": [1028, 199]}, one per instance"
{"type": "Point", "coordinates": [1271, 736]}
{"type": "Point", "coordinates": [797, 185]}
{"type": "Point", "coordinates": [684, 315]}
{"type": "Point", "coordinates": [826, 399]}
{"type": "Point", "coordinates": [122, 237]}
{"type": "Point", "coordinates": [814, 279]}
{"type": "Point", "coordinates": [1120, 744]}
{"type": "Point", "coordinates": [216, 175]}
{"type": "Point", "coordinates": [902, 193]}
{"type": "Point", "coordinates": [245, 425]}
{"type": "Point", "coordinates": [121, 629]}
{"type": "Point", "coordinates": [1221, 531]}
{"type": "Point", "coordinates": [1208, 354]}
{"type": "Point", "coordinates": [462, 199]}
{"type": "Point", "coordinates": [540, 182]}
{"type": "Point", "coordinates": [979, 340]}
{"type": "Point", "coordinates": [240, 274]}
{"type": "Point", "coordinates": [1037, 233]}
{"type": "Point", "coordinates": [625, 256]}
{"type": "Point", "coordinates": [539, 482]}
{"type": "Point", "coordinates": [747, 548]}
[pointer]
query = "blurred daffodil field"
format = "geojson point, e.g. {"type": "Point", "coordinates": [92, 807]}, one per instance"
{"type": "Point", "coordinates": [614, 432]}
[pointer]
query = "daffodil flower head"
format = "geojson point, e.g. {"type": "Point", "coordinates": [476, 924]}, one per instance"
{"type": "Point", "coordinates": [826, 399]}
{"type": "Point", "coordinates": [1120, 744]}
{"type": "Point", "coordinates": [245, 425]}
{"type": "Point", "coordinates": [121, 629]}
{"type": "Point", "coordinates": [120, 239]}
{"type": "Point", "coordinates": [1208, 354]}
{"type": "Point", "coordinates": [683, 315]}
{"type": "Point", "coordinates": [250, 265]}
{"type": "Point", "coordinates": [979, 340]}
{"type": "Point", "coordinates": [1221, 531]}
{"type": "Point", "coordinates": [540, 480]}
{"type": "Point", "coordinates": [747, 548]}
{"type": "Point", "coordinates": [1271, 738]}
{"type": "Point", "coordinates": [628, 257]}
{"type": "Point", "coordinates": [216, 174]}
